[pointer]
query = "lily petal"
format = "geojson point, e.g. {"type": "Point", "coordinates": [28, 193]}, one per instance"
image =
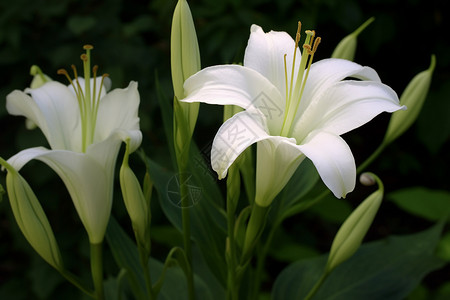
{"type": "Point", "coordinates": [345, 106]}
{"type": "Point", "coordinates": [327, 72]}
{"type": "Point", "coordinates": [237, 85]}
{"type": "Point", "coordinates": [277, 159]}
{"type": "Point", "coordinates": [233, 137]}
{"type": "Point", "coordinates": [54, 109]}
{"type": "Point", "coordinates": [86, 180]}
{"type": "Point", "coordinates": [118, 109]}
{"type": "Point", "coordinates": [265, 53]}
{"type": "Point", "coordinates": [333, 160]}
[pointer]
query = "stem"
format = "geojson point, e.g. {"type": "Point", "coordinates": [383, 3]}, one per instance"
{"type": "Point", "coordinates": [97, 269]}
{"type": "Point", "coordinates": [254, 229]}
{"type": "Point", "coordinates": [316, 286]}
{"type": "Point", "coordinates": [76, 282]}
{"type": "Point", "coordinates": [233, 192]}
{"type": "Point", "coordinates": [371, 158]}
{"type": "Point", "coordinates": [143, 255]}
{"type": "Point", "coordinates": [261, 259]}
{"type": "Point", "coordinates": [186, 221]}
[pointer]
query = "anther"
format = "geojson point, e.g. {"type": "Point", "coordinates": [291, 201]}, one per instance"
{"type": "Point", "coordinates": [84, 57]}
{"type": "Point", "coordinates": [74, 71]}
{"type": "Point", "coordinates": [316, 44]}
{"type": "Point", "coordinates": [94, 70]}
{"type": "Point", "coordinates": [297, 35]}
{"type": "Point", "coordinates": [64, 72]}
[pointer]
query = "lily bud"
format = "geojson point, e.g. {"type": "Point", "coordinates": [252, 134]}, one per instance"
{"type": "Point", "coordinates": [31, 217]}
{"type": "Point", "coordinates": [39, 79]}
{"type": "Point", "coordinates": [413, 98]}
{"type": "Point", "coordinates": [185, 59]}
{"type": "Point", "coordinates": [347, 46]}
{"type": "Point", "coordinates": [135, 202]}
{"type": "Point", "coordinates": [350, 235]}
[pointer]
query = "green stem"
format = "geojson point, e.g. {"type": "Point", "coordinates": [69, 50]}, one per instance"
{"type": "Point", "coordinates": [371, 158]}
{"type": "Point", "coordinates": [261, 258]}
{"type": "Point", "coordinates": [233, 192]}
{"type": "Point", "coordinates": [186, 221]}
{"type": "Point", "coordinates": [316, 286]}
{"type": "Point", "coordinates": [144, 255]}
{"type": "Point", "coordinates": [97, 270]}
{"type": "Point", "coordinates": [254, 229]}
{"type": "Point", "coordinates": [77, 283]}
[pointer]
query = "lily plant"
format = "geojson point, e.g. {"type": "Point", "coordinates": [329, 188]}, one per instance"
{"type": "Point", "coordinates": [84, 126]}
{"type": "Point", "coordinates": [293, 109]}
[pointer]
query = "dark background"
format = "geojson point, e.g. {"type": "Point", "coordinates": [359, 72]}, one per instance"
{"type": "Point", "coordinates": [132, 42]}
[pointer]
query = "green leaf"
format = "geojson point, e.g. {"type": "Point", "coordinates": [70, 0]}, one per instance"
{"type": "Point", "coordinates": [386, 269]}
{"type": "Point", "coordinates": [332, 209]}
{"type": "Point", "coordinates": [126, 256]}
{"type": "Point", "coordinates": [303, 180]}
{"type": "Point", "coordinates": [432, 205]}
{"type": "Point", "coordinates": [208, 221]}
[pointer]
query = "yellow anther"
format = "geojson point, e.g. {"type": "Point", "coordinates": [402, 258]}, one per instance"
{"type": "Point", "coordinates": [94, 71]}
{"type": "Point", "coordinates": [64, 72]}
{"type": "Point", "coordinates": [297, 35]}
{"type": "Point", "coordinates": [84, 57]}
{"type": "Point", "coordinates": [74, 71]}
{"type": "Point", "coordinates": [316, 44]}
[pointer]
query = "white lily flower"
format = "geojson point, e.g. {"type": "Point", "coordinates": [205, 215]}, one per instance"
{"type": "Point", "coordinates": [293, 109]}
{"type": "Point", "coordinates": [84, 127]}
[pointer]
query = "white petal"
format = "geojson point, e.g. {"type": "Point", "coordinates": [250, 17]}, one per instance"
{"type": "Point", "coordinates": [265, 54]}
{"type": "Point", "coordinates": [54, 108]}
{"type": "Point", "coordinates": [87, 181]}
{"type": "Point", "coordinates": [98, 81]}
{"type": "Point", "coordinates": [345, 106]}
{"type": "Point", "coordinates": [327, 72]}
{"type": "Point", "coordinates": [333, 160]}
{"type": "Point", "coordinates": [276, 161]}
{"type": "Point", "coordinates": [237, 85]}
{"type": "Point", "coordinates": [234, 136]}
{"type": "Point", "coordinates": [118, 110]}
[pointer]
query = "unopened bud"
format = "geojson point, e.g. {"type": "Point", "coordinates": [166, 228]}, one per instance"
{"type": "Point", "coordinates": [135, 202]}
{"type": "Point", "coordinates": [31, 218]}
{"type": "Point", "coordinates": [413, 98]}
{"type": "Point", "coordinates": [185, 60]}
{"type": "Point", "coordinates": [347, 46]}
{"type": "Point", "coordinates": [352, 232]}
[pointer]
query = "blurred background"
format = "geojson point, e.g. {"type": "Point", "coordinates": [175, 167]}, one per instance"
{"type": "Point", "coordinates": [132, 41]}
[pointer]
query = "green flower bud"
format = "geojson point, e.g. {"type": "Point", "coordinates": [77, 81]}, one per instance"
{"type": "Point", "coordinates": [135, 202]}
{"type": "Point", "coordinates": [39, 78]}
{"type": "Point", "coordinates": [350, 235]}
{"type": "Point", "coordinates": [347, 46]}
{"type": "Point", "coordinates": [31, 217]}
{"type": "Point", "coordinates": [185, 60]}
{"type": "Point", "coordinates": [413, 98]}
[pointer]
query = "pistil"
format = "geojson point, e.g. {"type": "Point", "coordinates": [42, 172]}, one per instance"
{"type": "Point", "coordinates": [293, 97]}
{"type": "Point", "coordinates": [88, 102]}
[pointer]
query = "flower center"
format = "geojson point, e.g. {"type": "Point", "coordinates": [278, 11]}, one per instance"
{"type": "Point", "coordinates": [88, 100]}
{"type": "Point", "coordinates": [294, 90]}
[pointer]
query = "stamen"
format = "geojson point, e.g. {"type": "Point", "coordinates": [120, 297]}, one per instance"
{"type": "Point", "coordinates": [64, 72]}
{"type": "Point", "coordinates": [296, 90]}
